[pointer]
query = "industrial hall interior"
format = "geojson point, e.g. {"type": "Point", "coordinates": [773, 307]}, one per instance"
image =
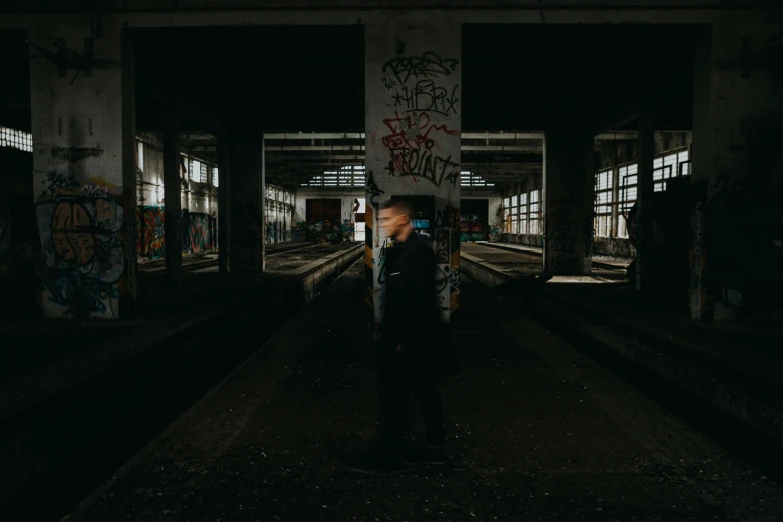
{"type": "Point", "coordinates": [384, 260]}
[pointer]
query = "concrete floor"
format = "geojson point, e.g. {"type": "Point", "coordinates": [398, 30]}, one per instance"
{"type": "Point", "coordinates": [537, 432]}
{"type": "Point", "coordinates": [38, 354]}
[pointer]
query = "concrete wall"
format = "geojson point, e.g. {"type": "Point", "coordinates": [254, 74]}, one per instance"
{"type": "Point", "coordinates": [278, 215]}
{"type": "Point", "coordinates": [737, 201]}
{"type": "Point", "coordinates": [346, 195]}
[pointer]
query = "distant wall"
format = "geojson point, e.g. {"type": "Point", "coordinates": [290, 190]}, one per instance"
{"type": "Point", "coordinates": [198, 198]}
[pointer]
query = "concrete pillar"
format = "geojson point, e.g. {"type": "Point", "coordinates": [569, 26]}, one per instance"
{"type": "Point", "coordinates": [84, 168]}
{"type": "Point", "coordinates": [247, 200]}
{"type": "Point", "coordinates": [736, 124]}
{"type": "Point", "coordinates": [172, 181]}
{"type": "Point", "coordinates": [645, 255]}
{"type": "Point", "coordinates": [569, 183]}
{"type": "Point", "coordinates": [413, 112]}
{"type": "Point", "coordinates": [224, 205]}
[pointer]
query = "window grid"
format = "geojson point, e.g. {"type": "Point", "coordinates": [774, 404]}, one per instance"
{"type": "Point", "coordinates": [523, 213]}
{"type": "Point", "coordinates": [203, 173]}
{"type": "Point", "coordinates": [470, 179]}
{"type": "Point", "coordinates": [195, 170]}
{"type": "Point", "coordinates": [349, 176]}
{"type": "Point", "coordinates": [507, 215]}
{"type": "Point", "coordinates": [628, 179]}
{"type": "Point", "coordinates": [604, 188]}
{"type": "Point", "coordinates": [16, 139]}
{"type": "Point", "coordinates": [215, 177]}
{"type": "Point", "coordinates": [535, 212]}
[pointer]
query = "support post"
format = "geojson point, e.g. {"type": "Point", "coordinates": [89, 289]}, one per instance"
{"type": "Point", "coordinates": [413, 134]}
{"type": "Point", "coordinates": [83, 171]}
{"type": "Point", "coordinates": [172, 180]}
{"type": "Point", "coordinates": [645, 255]}
{"type": "Point", "coordinates": [568, 199]}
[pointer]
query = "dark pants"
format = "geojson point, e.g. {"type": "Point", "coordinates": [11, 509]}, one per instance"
{"type": "Point", "coordinates": [396, 381]}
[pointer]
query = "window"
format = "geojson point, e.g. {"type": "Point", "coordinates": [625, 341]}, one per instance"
{"type": "Point", "coordinates": [669, 166]}
{"type": "Point", "coordinates": [203, 173]}
{"type": "Point", "coordinates": [350, 176]}
{"type": "Point", "coordinates": [16, 139]}
{"type": "Point", "coordinates": [469, 179]}
{"type": "Point", "coordinates": [195, 170]}
{"type": "Point", "coordinates": [215, 177]}
{"type": "Point", "coordinates": [523, 213]}
{"type": "Point", "coordinates": [683, 163]}
{"type": "Point", "coordinates": [535, 212]}
{"type": "Point", "coordinates": [506, 213]}
{"type": "Point", "coordinates": [604, 186]}
{"type": "Point", "coordinates": [515, 214]}
{"type": "Point", "coordinates": [629, 179]}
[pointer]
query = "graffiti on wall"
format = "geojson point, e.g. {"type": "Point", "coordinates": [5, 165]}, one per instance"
{"type": "Point", "coordinates": [151, 234]}
{"type": "Point", "coordinates": [472, 228]}
{"type": "Point", "coordinates": [79, 228]}
{"type": "Point", "coordinates": [201, 232]}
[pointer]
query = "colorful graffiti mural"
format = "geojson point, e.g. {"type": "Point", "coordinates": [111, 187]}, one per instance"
{"type": "Point", "coordinates": [472, 228]}
{"type": "Point", "coordinates": [201, 232]}
{"type": "Point", "coordinates": [151, 236]}
{"type": "Point", "coordinates": [79, 228]}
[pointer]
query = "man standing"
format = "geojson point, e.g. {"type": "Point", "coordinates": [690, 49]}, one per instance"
{"type": "Point", "coordinates": [415, 348]}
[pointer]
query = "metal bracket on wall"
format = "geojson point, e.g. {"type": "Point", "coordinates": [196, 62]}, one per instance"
{"type": "Point", "coordinates": [65, 58]}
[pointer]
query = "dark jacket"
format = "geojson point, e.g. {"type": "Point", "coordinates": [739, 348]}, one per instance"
{"type": "Point", "coordinates": [411, 314]}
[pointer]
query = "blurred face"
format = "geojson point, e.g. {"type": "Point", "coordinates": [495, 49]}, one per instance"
{"type": "Point", "coordinates": [392, 222]}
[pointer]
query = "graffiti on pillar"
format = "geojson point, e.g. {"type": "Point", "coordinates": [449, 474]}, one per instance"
{"type": "Point", "coordinates": [562, 230]}
{"type": "Point", "coordinates": [413, 149]}
{"type": "Point", "coordinates": [382, 262]}
{"type": "Point", "coordinates": [75, 154]}
{"type": "Point", "coordinates": [151, 235]}
{"type": "Point", "coordinates": [428, 65]}
{"type": "Point", "coordinates": [369, 262]}
{"type": "Point", "coordinates": [426, 96]}
{"type": "Point", "coordinates": [442, 250]}
{"type": "Point", "coordinates": [447, 218]}
{"type": "Point", "coordinates": [447, 242]}
{"type": "Point", "coordinates": [79, 228]}
{"type": "Point", "coordinates": [372, 191]}
{"type": "Point", "coordinates": [421, 137]}
{"type": "Point", "coordinates": [414, 140]}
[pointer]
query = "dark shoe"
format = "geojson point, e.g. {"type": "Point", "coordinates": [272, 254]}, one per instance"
{"type": "Point", "coordinates": [434, 455]}
{"type": "Point", "coordinates": [378, 464]}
